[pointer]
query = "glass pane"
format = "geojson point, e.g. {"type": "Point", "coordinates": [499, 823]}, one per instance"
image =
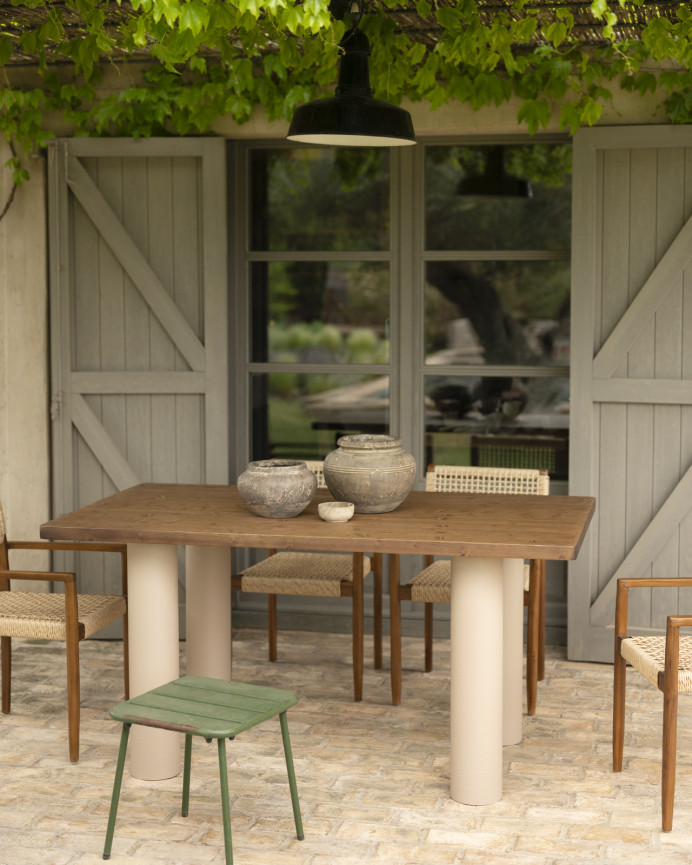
{"type": "Point", "coordinates": [319, 199]}
{"type": "Point", "coordinates": [492, 312]}
{"type": "Point", "coordinates": [320, 312]}
{"type": "Point", "coordinates": [509, 422]}
{"type": "Point", "coordinates": [498, 197]}
{"type": "Point", "coordinates": [302, 416]}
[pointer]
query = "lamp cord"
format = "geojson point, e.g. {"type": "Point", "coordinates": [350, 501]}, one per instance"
{"type": "Point", "coordinates": [355, 24]}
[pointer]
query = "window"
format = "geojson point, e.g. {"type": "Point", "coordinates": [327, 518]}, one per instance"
{"type": "Point", "coordinates": [496, 301]}
{"type": "Point", "coordinates": [320, 291]}
{"type": "Point", "coordinates": [388, 291]}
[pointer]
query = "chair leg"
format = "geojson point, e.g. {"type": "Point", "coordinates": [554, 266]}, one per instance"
{"type": "Point", "coordinates": [428, 637]}
{"type": "Point", "coordinates": [115, 798]}
{"type": "Point", "coordinates": [73, 694]}
{"type": "Point", "coordinates": [395, 628]}
{"type": "Point", "coordinates": [271, 626]}
{"type": "Point", "coordinates": [541, 621]}
{"type": "Point", "coordinates": [532, 636]}
{"type": "Point", "coordinates": [291, 776]}
{"type": "Point", "coordinates": [126, 655]}
{"type": "Point", "coordinates": [377, 609]}
{"type": "Point", "coordinates": [185, 809]}
{"type": "Point", "coordinates": [357, 617]}
{"type": "Point", "coordinates": [670, 730]}
{"type": "Point", "coordinates": [6, 672]}
{"type": "Point", "coordinates": [619, 681]}
{"type": "Point", "coordinates": [225, 803]}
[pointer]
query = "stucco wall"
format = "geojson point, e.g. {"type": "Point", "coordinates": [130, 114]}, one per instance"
{"type": "Point", "coordinates": [24, 409]}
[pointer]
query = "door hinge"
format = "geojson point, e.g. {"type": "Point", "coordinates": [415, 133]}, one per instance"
{"type": "Point", "coordinates": [56, 407]}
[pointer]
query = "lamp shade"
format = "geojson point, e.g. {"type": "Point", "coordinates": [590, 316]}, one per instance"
{"type": "Point", "coordinates": [352, 117]}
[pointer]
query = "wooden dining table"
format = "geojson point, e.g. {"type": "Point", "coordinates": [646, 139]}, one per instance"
{"type": "Point", "coordinates": [487, 536]}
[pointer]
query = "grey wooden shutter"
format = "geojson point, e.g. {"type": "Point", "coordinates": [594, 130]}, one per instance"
{"type": "Point", "coordinates": [631, 376]}
{"type": "Point", "coordinates": [138, 287]}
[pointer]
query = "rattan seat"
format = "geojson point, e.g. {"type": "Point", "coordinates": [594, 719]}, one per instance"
{"type": "Point", "coordinates": [648, 656]}
{"type": "Point", "coordinates": [42, 616]}
{"type": "Point", "coordinates": [67, 617]}
{"type": "Point", "coordinates": [315, 574]}
{"type": "Point", "coordinates": [433, 585]}
{"type": "Point", "coordinates": [665, 662]}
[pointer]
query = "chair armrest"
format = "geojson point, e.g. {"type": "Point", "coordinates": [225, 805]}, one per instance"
{"type": "Point", "coordinates": [623, 586]}
{"type": "Point", "coordinates": [77, 546]}
{"type": "Point", "coordinates": [653, 582]}
{"type": "Point", "coordinates": [48, 577]}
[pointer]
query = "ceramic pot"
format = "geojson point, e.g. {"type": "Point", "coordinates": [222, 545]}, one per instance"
{"type": "Point", "coordinates": [277, 488]}
{"type": "Point", "coordinates": [372, 471]}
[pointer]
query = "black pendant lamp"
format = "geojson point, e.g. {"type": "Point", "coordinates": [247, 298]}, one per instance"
{"type": "Point", "coordinates": [494, 182]}
{"type": "Point", "coordinates": [352, 117]}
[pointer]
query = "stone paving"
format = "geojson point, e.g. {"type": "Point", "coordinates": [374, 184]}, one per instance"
{"type": "Point", "coordinates": [372, 778]}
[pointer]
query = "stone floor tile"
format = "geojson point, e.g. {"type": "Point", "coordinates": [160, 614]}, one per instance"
{"type": "Point", "coordinates": [372, 777]}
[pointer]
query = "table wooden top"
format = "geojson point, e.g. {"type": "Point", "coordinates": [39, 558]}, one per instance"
{"type": "Point", "coordinates": [452, 524]}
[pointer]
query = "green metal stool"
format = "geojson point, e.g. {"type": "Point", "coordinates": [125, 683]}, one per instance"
{"type": "Point", "coordinates": [213, 709]}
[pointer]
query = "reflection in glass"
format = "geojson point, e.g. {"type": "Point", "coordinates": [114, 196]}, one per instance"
{"type": "Point", "coordinates": [301, 416]}
{"type": "Point", "coordinates": [498, 421]}
{"type": "Point", "coordinates": [320, 312]}
{"type": "Point", "coordinates": [319, 199]}
{"type": "Point", "coordinates": [497, 312]}
{"type": "Point", "coordinates": [458, 221]}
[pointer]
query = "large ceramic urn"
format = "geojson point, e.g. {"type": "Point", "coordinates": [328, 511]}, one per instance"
{"type": "Point", "coordinates": [277, 488]}
{"type": "Point", "coordinates": [372, 471]}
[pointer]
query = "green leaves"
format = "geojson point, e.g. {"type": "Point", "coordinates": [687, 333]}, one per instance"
{"type": "Point", "coordinates": [535, 113]}
{"type": "Point", "coordinates": [215, 58]}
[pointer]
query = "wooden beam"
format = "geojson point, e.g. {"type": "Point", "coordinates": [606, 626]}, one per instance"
{"type": "Point", "coordinates": [652, 391]}
{"type": "Point", "coordinates": [651, 541]}
{"type": "Point", "coordinates": [137, 382]}
{"type": "Point", "coordinates": [135, 264]}
{"type": "Point", "coordinates": [102, 445]}
{"type": "Point", "coordinates": [654, 291]}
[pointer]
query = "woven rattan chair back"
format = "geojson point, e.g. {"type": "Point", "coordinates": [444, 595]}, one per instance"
{"type": "Point", "coordinates": [317, 468]}
{"type": "Point", "coordinates": [477, 479]}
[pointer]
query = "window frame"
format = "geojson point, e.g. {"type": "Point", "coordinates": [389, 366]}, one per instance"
{"type": "Point", "coordinates": [407, 259]}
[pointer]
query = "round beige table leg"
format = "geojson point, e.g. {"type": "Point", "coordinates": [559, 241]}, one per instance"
{"type": "Point", "coordinates": [208, 611]}
{"type": "Point", "coordinates": [152, 587]}
{"type": "Point", "coordinates": [513, 615]}
{"type": "Point", "coordinates": [476, 681]}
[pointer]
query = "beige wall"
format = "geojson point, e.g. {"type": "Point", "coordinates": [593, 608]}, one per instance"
{"type": "Point", "coordinates": [24, 424]}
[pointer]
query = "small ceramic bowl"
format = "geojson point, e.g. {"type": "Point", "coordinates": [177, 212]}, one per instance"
{"type": "Point", "coordinates": [335, 512]}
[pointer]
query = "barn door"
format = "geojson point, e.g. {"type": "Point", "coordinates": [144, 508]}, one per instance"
{"type": "Point", "coordinates": [631, 376]}
{"type": "Point", "coordinates": [138, 320]}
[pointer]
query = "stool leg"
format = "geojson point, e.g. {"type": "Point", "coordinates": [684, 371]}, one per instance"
{"type": "Point", "coordinates": [291, 775]}
{"type": "Point", "coordinates": [185, 810]}
{"type": "Point", "coordinates": [115, 798]}
{"type": "Point", "coordinates": [225, 804]}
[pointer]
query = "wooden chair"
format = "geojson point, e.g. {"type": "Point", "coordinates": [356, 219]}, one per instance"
{"type": "Point", "coordinates": [210, 709]}
{"type": "Point", "coordinates": [666, 662]}
{"type": "Point", "coordinates": [69, 617]}
{"type": "Point", "coordinates": [312, 574]}
{"type": "Point", "coordinates": [433, 585]}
